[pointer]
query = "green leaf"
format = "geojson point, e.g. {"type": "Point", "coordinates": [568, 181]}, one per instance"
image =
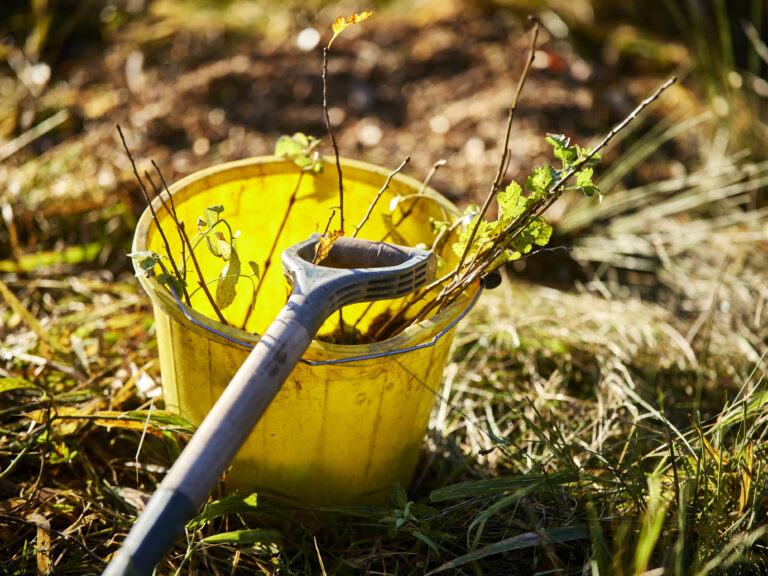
{"type": "Point", "coordinates": [519, 542]}
{"type": "Point", "coordinates": [147, 260]}
{"type": "Point", "coordinates": [213, 245]}
{"type": "Point", "coordinates": [437, 226]}
{"type": "Point", "coordinates": [232, 504]}
{"type": "Point", "coordinates": [211, 214]}
{"type": "Point", "coordinates": [486, 232]}
{"type": "Point", "coordinates": [500, 485]}
{"type": "Point", "coordinates": [584, 152]}
{"type": "Point", "coordinates": [10, 383]}
{"type": "Point", "coordinates": [225, 248]}
{"type": "Point", "coordinates": [538, 232]}
{"type": "Point", "coordinates": [584, 178]}
{"type": "Point", "coordinates": [585, 184]}
{"type": "Point", "coordinates": [566, 155]}
{"type": "Point", "coordinates": [511, 202]}
{"type": "Point", "coordinates": [301, 149]}
{"type": "Point", "coordinates": [557, 140]}
{"type": "Point", "coordinates": [147, 264]}
{"type": "Point", "coordinates": [542, 179]}
{"type": "Point", "coordinates": [302, 139]}
{"type": "Point", "coordinates": [245, 537]}
{"type": "Point", "coordinates": [255, 268]}
{"type": "Point", "coordinates": [399, 497]}
{"type": "Point", "coordinates": [226, 288]}
{"type": "Point", "coordinates": [287, 147]}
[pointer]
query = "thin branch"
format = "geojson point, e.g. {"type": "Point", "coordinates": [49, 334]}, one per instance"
{"type": "Point", "coordinates": [623, 124]}
{"type": "Point", "coordinates": [175, 219]}
{"type": "Point", "coordinates": [505, 151]}
{"type": "Point", "coordinates": [431, 174]}
{"type": "Point", "coordinates": [165, 187]}
{"type": "Point", "coordinates": [372, 205]}
{"type": "Point", "coordinates": [333, 136]}
{"type": "Point", "coordinates": [200, 279]}
{"type": "Point", "coordinates": [151, 208]}
{"type": "Point", "coordinates": [183, 259]}
{"type": "Point", "coordinates": [268, 262]}
{"type": "Point", "coordinates": [501, 243]}
{"type": "Point", "coordinates": [424, 186]}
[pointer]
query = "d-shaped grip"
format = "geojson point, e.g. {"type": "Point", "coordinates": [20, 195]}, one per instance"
{"type": "Point", "coordinates": [354, 271]}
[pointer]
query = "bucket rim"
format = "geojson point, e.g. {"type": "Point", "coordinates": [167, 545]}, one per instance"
{"type": "Point", "coordinates": [318, 350]}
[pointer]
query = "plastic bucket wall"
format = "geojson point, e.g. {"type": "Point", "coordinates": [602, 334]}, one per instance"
{"type": "Point", "coordinates": [335, 434]}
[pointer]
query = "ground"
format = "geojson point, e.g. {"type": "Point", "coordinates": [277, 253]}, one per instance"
{"type": "Point", "coordinates": [623, 378]}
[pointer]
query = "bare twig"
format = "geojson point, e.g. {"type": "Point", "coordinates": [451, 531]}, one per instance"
{"type": "Point", "coordinates": [505, 150]}
{"type": "Point", "coordinates": [431, 174]}
{"type": "Point", "coordinates": [330, 219]}
{"type": "Point", "coordinates": [333, 137]}
{"type": "Point", "coordinates": [151, 207]}
{"type": "Point", "coordinates": [200, 279]}
{"type": "Point", "coordinates": [459, 280]}
{"type": "Point", "coordinates": [165, 187]}
{"type": "Point", "coordinates": [424, 186]}
{"type": "Point", "coordinates": [268, 262]}
{"type": "Point", "coordinates": [372, 205]}
{"type": "Point", "coordinates": [172, 211]}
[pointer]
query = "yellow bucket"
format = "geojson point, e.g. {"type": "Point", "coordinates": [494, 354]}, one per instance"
{"type": "Point", "coordinates": [336, 433]}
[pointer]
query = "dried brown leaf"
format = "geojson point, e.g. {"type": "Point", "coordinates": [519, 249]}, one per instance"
{"type": "Point", "coordinates": [323, 247]}
{"type": "Point", "coordinates": [341, 23]}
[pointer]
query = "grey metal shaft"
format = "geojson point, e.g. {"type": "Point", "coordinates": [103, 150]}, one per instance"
{"type": "Point", "coordinates": [210, 451]}
{"type": "Point", "coordinates": [317, 292]}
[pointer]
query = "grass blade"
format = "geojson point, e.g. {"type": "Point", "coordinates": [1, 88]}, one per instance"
{"type": "Point", "coordinates": [519, 542]}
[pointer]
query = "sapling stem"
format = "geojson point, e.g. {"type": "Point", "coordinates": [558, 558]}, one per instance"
{"type": "Point", "coordinates": [431, 174]}
{"type": "Point", "coordinates": [557, 189]}
{"type": "Point", "coordinates": [460, 280]}
{"type": "Point", "coordinates": [424, 186]}
{"type": "Point", "coordinates": [333, 137]}
{"type": "Point", "coordinates": [181, 270]}
{"type": "Point", "coordinates": [185, 240]}
{"type": "Point", "coordinates": [172, 212]}
{"type": "Point", "coordinates": [381, 191]}
{"type": "Point", "coordinates": [496, 186]}
{"type": "Point", "coordinates": [432, 171]}
{"type": "Point", "coordinates": [152, 209]}
{"type": "Point", "coordinates": [268, 262]}
{"type": "Point", "coordinates": [200, 279]}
